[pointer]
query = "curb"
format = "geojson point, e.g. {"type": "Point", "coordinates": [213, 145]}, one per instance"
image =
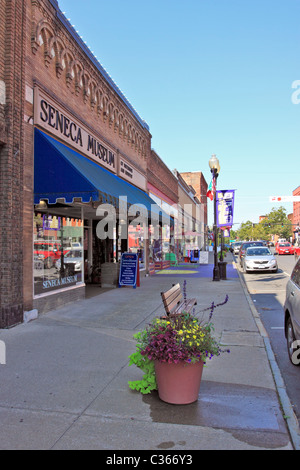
{"type": "Point", "coordinates": [288, 412]}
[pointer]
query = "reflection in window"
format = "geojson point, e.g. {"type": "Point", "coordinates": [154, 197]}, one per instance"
{"type": "Point", "coordinates": [58, 254]}
{"type": "Point", "coordinates": [136, 240]}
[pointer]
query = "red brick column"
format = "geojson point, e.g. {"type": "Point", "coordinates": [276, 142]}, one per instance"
{"type": "Point", "coordinates": [11, 160]}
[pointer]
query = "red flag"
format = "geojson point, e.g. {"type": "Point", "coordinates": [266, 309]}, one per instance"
{"type": "Point", "coordinates": [212, 189]}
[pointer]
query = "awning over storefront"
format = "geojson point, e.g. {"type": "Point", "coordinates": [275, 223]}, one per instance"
{"type": "Point", "coordinates": [62, 173]}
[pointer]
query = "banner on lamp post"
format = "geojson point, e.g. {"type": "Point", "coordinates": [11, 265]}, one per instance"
{"type": "Point", "coordinates": [225, 207]}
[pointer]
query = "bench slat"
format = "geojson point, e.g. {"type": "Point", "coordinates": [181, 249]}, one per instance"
{"type": "Point", "coordinates": [173, 303]}
{"type": "Point", "coordinates": [166, 295]}
{"type": "Point", "coordinates": [169, 307]}
{"type": "Point", "coordinates": [185, 306]}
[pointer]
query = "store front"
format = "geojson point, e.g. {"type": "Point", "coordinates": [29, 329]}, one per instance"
{"type": "Point", "coordinates": [165, 240]}
{"type": "Point", "coordinates": [85, 214]}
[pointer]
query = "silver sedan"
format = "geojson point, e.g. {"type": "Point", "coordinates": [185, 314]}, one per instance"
{"type": "Point", "coordinates": [259, 258]}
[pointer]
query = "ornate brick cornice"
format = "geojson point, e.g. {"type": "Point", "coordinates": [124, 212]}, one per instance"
{"type": "Point", "coordinates": [83, 77]}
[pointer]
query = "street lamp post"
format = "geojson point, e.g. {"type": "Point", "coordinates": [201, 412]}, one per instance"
{"type": "Point", "coordinates": [214, 166]}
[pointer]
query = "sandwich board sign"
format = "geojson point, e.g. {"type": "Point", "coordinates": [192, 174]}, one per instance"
{"type": "Point", "coordinates": [129, 270]}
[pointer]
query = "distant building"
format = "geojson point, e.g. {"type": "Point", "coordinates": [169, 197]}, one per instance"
{"type": "Point", "coordinates": [296, 216]}
{"type": "Point", "coordinates": [296, 207]}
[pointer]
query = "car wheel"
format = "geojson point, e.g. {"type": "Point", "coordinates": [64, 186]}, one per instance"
{"type": "Point", "coordinates": [291, 340]}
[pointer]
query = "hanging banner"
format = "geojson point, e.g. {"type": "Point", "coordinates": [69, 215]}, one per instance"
{"type": "Point", "coordinates": [225, 206]}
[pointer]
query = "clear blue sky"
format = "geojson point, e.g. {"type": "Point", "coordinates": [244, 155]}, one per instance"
{"type": "Point", "coordinates": [208, 76]}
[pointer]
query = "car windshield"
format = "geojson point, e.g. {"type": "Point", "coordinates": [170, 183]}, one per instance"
{"type": "Point", "coordinates": [74, 254]}
{"type": "Point", "coordinates": [247, 245]}
{"type": "Point", "coordinates": [284, 244]}
{"type": "Point", "coordinates": [258, 252]}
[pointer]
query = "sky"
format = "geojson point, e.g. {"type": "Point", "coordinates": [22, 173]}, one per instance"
{"type": "Point", "coordinates": [209, 77]}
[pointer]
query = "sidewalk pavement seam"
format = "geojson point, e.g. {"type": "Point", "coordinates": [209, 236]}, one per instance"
{"type": "Point", "coordinates": [287, 408]}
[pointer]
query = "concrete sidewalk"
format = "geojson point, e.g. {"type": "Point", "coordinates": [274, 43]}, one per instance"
{"type": "Point", "coordinates": [64, 385]}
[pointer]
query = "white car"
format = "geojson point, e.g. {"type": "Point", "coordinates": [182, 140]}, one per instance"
{"type": "Point", "coordinates": [259, 258]}
{"type": "Point", "coordinates": [236, 247]}
{"type": "Point", "coordinates": [73, 257]}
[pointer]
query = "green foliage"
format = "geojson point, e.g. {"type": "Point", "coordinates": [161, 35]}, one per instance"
{"type": "Point", "coordinates": [148, 381]}
{"type": "Point", "coordinates": [178, 338]}
{"type": "Point", "coordinates": [274, 223]}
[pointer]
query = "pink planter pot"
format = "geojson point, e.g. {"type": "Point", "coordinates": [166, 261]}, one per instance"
{"type": "Point", "coordinates": [178, 384]}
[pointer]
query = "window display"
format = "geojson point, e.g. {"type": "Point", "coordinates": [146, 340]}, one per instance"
{"type": "Point", "coordinates": [136, 239]}
{"type": "Point", "coordinates": [58, 252]}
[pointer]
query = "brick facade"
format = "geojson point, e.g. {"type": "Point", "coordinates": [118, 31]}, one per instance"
{"type": "Point", "coordinates": [12, 63]}
{"type": "Point", "coordinates": [40, 50]}
{"type": "Point", "coordinates": [197, 181]}
{"type": "Point", "coordinates": [38, 47]}
{"type": "Point", "coordinates": [296, 208]}
{"type": "Point", "coordinates": [160, 176]}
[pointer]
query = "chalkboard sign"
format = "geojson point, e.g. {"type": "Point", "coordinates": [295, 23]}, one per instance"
{"type": "Point", "coordinates": [129, 270]}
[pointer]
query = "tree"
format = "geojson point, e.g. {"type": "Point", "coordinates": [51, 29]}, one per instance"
{"type": "Point", "coordinates": [278, 223]}
{"type": "Point", "coordinates": [245, 231]}
{"type": "Point", "coordinates": [275, 223]}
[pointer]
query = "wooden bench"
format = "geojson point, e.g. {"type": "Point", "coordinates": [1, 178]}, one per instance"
{"type": "Point", "coordinates": [174, 303]}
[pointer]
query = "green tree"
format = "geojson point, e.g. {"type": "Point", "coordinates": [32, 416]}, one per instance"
{"type": "Point", "coordinates": [246, 230]}
{"type": "Point", "coordinates": [278, 223]}
{"type": "Point", "coordinates": [275, 223]}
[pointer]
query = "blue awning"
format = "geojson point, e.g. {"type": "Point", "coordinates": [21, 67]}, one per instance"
{"type": "Point", "coordinates": [62, 173]}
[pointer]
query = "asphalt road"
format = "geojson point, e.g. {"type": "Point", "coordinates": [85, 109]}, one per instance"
{"type": "Point", "coordinates": [267, 291]}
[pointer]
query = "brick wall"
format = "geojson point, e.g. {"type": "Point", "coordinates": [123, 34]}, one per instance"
{"type": "Point", "coordinates": [296, 207]}
{"type": "Point", "coordinates": [162, 177]}
{"type": "Point", "coordinates": [11, 162]}
{"type": "Point", "coordinates": [198, 182]}
{"type": "Point", "coordinates": [39, 47]}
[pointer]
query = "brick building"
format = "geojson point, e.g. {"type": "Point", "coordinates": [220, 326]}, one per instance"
{"type": "Point", "coordinates": [70, 142]}
{"type": "Point", "coordinates": [64, 127]}
{"type": "Point", "coordinates": [197, 180]}
{"type": "Point", "coordinates": [296, 215]}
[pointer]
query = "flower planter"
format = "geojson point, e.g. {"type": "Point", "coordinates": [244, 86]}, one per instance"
{"type": "Point", "coordinates": [178, 384]}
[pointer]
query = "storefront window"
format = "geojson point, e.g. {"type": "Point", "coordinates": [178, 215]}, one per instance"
{"type": "Point", "coordinates": [136, 242]}
{"type": "Point", "coordinates": [58, 252]}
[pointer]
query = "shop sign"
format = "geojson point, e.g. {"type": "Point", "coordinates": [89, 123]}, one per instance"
{"type": "Point", "coordinates": [129, 173]}
{"type": "Point", "coordinates": [60, 282]}
{"type": "Point", "coordinates": [58, 122]}
{"type": "Point", "coordinates": [51, 223]}
{"type": "Point", "coordinates": [129, 270]}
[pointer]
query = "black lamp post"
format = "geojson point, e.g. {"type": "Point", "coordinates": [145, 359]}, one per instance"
{"type": "Point", "coordinates": [214, 166]}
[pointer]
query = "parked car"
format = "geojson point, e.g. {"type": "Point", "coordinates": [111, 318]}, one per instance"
{"type": "Point", "coordinates": [246, 245]}
{"type": "Point", "coordinates": [259, 258]}
{"type": "Point", "coordinates": [72, 260]}
{"type": "Point", "coordinates": [292, 315]}
{"type": "Point", "coordinates": [235, 247]}
{"type": "Point", "coordinates": [47, 252]}
{"type": "Point", "coordinates": [285, 248]}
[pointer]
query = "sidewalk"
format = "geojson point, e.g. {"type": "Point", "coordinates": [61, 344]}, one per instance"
{"type": "Point", "coordinates": [64, 385]}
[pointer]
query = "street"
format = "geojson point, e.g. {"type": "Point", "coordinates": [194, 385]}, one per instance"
{"type": "Point", "coordinates": [267, 291]}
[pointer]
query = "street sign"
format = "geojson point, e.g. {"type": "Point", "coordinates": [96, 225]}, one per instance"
{"type": "Point", "coordinates": [284, 198]}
